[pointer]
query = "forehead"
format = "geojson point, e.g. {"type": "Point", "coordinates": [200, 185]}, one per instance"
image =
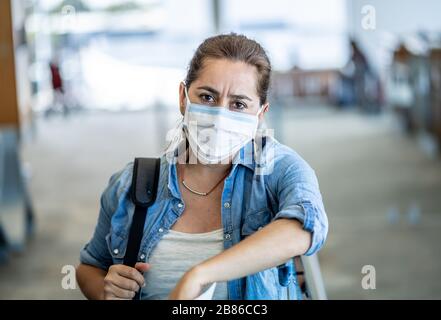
{"type": "Point", "coordinates": [223, 74]}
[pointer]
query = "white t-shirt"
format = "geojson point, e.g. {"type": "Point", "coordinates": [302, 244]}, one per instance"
{"type": "Point", "coordinates": [176, 253]}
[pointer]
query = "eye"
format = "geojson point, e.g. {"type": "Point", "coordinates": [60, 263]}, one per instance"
{"type": "Point", "coordinates": [206, 98]}
{"type": "Point", "coordinates": [239, 105]}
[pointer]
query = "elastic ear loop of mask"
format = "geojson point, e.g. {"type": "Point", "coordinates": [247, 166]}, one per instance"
{"type": "Point", "coordinates": [187, 98]}
{"type": "Point", "coordinates": [254, 143]}
{"type": "Point", "coordinates": [187, 143]}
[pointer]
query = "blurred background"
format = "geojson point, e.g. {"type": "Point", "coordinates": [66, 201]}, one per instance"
{"type": "Point", "coordinates": [87, 85]}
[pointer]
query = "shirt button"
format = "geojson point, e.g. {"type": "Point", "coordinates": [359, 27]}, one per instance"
{"type": "Point", "coordinates": [142, 256]}
{"type": "Point", "coordinates": [227, 236]}
{"type": "Point", "coordinates": [226, 204]}
{"type": "Point", "coordinates": [115, 251]}
{"type": "Point", "coordinates": [161, 230]}
{"type": "Point", "coordinates": [180, 205]}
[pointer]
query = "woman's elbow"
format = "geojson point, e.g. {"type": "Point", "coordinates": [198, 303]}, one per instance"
{"type": "Point", "coordinates": [301, 239]}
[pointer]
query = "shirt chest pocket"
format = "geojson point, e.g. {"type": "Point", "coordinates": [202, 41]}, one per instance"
{"type": "Point", "coordinates": [255, 221]}
{"type": "Point", "coordinates": [116, 244]}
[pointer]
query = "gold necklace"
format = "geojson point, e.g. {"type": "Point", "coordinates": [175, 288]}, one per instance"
{"type": "Point", "coordinates": [198, 192]}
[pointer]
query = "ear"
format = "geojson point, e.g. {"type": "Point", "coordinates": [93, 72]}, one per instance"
{"type": "Point", "coordinates": [265, 108]}
{"type": "Point", "coordinates": [182, 100]}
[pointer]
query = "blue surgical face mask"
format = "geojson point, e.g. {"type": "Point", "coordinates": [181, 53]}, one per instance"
{"type": "Point", "coordinates": [216, 133]}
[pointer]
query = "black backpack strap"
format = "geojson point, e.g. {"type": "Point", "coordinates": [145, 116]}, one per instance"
{"type": "Point", "coordinates": [143, 192]}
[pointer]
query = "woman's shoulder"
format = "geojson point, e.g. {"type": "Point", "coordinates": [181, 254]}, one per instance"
{"type": "Point", "coordinates": [290, 171]}
{"type": "Point", "coordinates": [118, 185]}
{"type": "Point", "coordinates": [284, 159]}
{"type": "Point", "coordinates": [120, 182]}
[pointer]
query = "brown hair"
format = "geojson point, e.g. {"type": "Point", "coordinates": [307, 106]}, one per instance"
{"type": "Point", "coordinates": [237, 48]}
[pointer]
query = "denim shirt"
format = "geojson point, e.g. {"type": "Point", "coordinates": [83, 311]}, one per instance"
{"type": "Point", "coordinates": [263, 185]}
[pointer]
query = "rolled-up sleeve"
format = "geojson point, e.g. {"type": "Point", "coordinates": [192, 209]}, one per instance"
{"type": "Point", "coordinates": [96, 252]}
{"type": "Point", "coordinates": [299, 198]}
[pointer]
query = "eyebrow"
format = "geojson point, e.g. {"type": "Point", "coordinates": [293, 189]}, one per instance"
{"type": "Point", "coordinates": [235, 96]}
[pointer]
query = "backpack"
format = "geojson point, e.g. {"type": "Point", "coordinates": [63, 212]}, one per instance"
{"type": "Point", "coordinates": [143, 192]}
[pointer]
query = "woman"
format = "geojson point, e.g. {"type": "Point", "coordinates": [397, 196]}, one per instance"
{"type": "Point", "coordinates": [233, 205]}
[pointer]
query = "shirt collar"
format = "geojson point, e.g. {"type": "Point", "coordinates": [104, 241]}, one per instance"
{"type": "Point", "coordinates": [244, 157]}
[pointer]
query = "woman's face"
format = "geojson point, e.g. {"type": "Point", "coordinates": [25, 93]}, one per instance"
{"type": "Point", "coordinates": [226, 83]}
